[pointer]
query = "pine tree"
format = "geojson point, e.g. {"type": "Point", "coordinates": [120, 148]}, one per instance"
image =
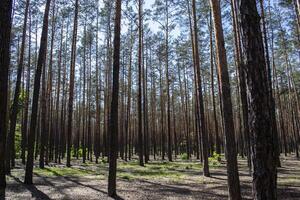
{"type": "Point", "coordinates": [113, 122]}
{"type": "Point", "coordinates": [231, 156]}
{"type": "Point", "coordinates": [36, 92]}
{"type": "Point", "coordinates": [71, 88]}
{"type": "Point", "coordinates": [5, 31]}
{"type": "Point", "coordinates": [260, 123]}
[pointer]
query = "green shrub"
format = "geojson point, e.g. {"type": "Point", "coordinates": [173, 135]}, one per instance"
{"type": "Point", "coordinates": [216, 156]}
{"type": "Point", "coordinates": [18, 139]}
{"type": "Point", "coordinates": [214, 160]}
{"type": "Point", "coordinates": [104, 160]}
{"type": "Point", "coordinates": [80, 150]}
{"type": "Point", "coordinates": [184, 156]}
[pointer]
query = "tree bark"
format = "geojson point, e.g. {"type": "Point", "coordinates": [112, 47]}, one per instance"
{"type": "Point", "coordinates": [232, 167]}
{"type": "Point", "coordinates": [113, 123]}
{"type": "Point", "coordinates": [260, 123]}
{"type": "Point", "coordinates": [5, 34]}
{"type": "Point", "coordinates": [139, 100]}
{"type": "Point", "coordinates": [71, 87]}
{"type": "Point", "coordinates": [36, 92]}
{"type": "Point", "coordinates": [10, 157]}
{"type": "Point", "coordinates": [197, 70]}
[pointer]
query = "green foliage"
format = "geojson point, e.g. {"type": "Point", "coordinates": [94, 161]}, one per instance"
{"type": "Point", "coordinates": [73, 151]}
{"type": "Point", "coordinates": [18, 141]}
{"type": "Point", "coordinates": [126, 176]}
{"type": "Point", "coordinates": [214, 160]}
{"type": "Point", "coordinates": [104, 160]}
{"type": "Point", "coordinates": [22, 97]}
{"type": "Point", "coordinates": [184, 156]}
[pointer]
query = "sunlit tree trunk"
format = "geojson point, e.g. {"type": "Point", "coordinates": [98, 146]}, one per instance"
{"type": "Point", "coordinates": [197, 69]}
{"type": "Point", "coordinates": [231, 156]}
{"type": "Point", "coordinates": [36, 91]}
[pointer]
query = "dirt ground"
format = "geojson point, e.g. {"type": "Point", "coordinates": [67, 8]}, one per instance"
{"type": "Point", "coordinates": [191, 185]}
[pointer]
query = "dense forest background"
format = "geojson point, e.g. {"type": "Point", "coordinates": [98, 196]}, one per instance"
{"type": "Point", "coordinates": [155, 80]}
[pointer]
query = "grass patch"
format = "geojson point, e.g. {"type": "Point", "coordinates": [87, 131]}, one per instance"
{"type": "Point", "coordinates": [177, 171]}
{"type": "Point", "coordinates": [65, 171]}
{"type": "Point", "coordinates": [171, 171]}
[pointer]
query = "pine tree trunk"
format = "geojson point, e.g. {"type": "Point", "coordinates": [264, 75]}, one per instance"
{"type": "Point", "coordinates": [260, 119]}
{"type": "Point", "coordinates": [26, 109]}
{"type": "Point", "coordinates": [71, 87]}
{"type": "Point", "coordinates": [269, 76]}
{"type": "Point", "coordinates": [5, 32]}
{"type": "Point", "coordinates": [232, 166]}
{"type": "Point", "coordinates": [216, 127]}
{"type": "Point", "coordinates": [197, 69]}
{"type": "Point", "coordinates": [128, 112]}
{"type": "Point", "coordinates": [113, 122]}
{"type": "Point", "coordinates": [36, 91]}
{"type": "Point", "coordinates": [139, 100]}
{"type": "Point", "coordinates": [168, 83]}
{"type": "Point", "coordinates": [10, 157]}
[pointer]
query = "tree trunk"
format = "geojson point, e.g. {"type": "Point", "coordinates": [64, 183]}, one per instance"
{"type": "Point", "coordinates": [168, 84]}
{"type": "Point", "coordinates": [10, 157]}
{"type": "Point", "coordinates": [269, 76]}
{"type": "Point", "coordinates": [216, 127]}
{"type": "Point", "coordinates": [36, 91]}
{"type": "Point", "coordinates": [113, 123]}
{"type": "Point", "coordinates": [232, 167]}
{"type": "Point", "coordinates": [139, 100]}
{"type": "Point", "coordinates": [5, 32]}
{"type": "Point", "coordinates": [71, 87]}
{"type": "Point", "coordinates": [197, 69]}
{"type": "Point", "coordinates": [26, 109]}
{"type": "Point", "coordinates": [260, 119]}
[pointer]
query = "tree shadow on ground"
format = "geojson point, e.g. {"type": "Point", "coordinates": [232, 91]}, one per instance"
{"type": "Point", "coordinates": [77, 182]}
{"type": "Point", "coordinates": [53, 186]}
{"type": "Point", "coordinates": [36, 193]}
{"type": "Point", "coordinates": [2, 194]}
{"type": "Point", "coordinates": [179, 190]}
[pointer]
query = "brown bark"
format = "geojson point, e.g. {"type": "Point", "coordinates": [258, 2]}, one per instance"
{"type": "Point", "coordinates": [241, 79]}
{"type": "Point", "coordinates": [232, 167]}
{"type": "Point", "coordinates": [58, 90]}
{"type": "Point", "coordinates": [113, 128]}
{"type": "Point", "coordinates": [36, 91]}
{"type": "Point", "coordinates": [197, 70]}
{"type": "Point", "coordinates": [128, 111]}
{"type": "Point", "coordinates": [168, 83]}
{"type": "Point", "coordinates": [26, 109]}
{"type": "Point", "coordinates": [216, 126]}
{"type": "Point", "coordinates": [260, 119]}
{"type": "Point", "coordinates": [139, 100]}
{"type": "Point", "coordinates": [10, 153]}
{"type": "Point", "coordinates": [71, 87]}
{"type": "Point", "coordinates": [269, 76]}
{"type": "Point", "coordinates": [98, 94]}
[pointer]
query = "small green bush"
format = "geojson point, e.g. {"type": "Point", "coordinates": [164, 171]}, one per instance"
{"type": "Point", "coordinates": [214, 160]}
{"type": "Point", "coordinates": [104, 160]}
{"type": "Point", "coordinates": [184, 156]}
{"type": "Point", "coordinates": [18, 139]}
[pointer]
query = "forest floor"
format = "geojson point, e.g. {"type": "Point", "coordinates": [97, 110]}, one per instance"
{"type": "Point", "coordinates": [157, 180]}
